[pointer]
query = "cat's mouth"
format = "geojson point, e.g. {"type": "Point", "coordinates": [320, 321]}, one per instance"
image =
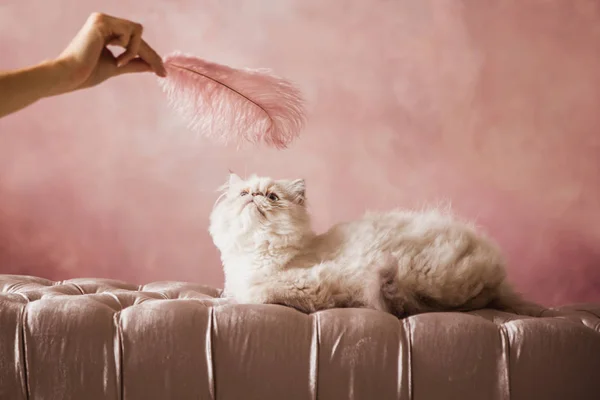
{"type": "Point", "coordinates": [251, 202]}
{"type": "Point", "coordinates": [261, 212]}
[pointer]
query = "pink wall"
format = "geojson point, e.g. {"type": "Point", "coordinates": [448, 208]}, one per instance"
{"type": "Point", "coordinates": [491, 105]}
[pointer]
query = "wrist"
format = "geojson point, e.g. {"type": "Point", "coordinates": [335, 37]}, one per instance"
{"type": "Point", "coordinates": [56, 73]}
{"type": "Point", "coordinates": [20, 88]}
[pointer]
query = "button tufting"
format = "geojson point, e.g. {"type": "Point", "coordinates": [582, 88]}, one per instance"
{"type": "Point", "coordinates": [166, 339]}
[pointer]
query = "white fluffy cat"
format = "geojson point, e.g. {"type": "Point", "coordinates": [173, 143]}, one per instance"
{"type": "Point", "coordinates": [400, 262]}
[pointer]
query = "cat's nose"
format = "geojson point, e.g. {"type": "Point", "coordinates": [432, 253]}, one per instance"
{"type": "Point", "coordinates": [257, 194]}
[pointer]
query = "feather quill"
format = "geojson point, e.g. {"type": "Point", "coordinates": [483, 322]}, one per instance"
{"type": "Point", "coordinates": [233, 105]}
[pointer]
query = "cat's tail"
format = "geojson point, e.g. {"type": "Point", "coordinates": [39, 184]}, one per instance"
{"type": "Point", "coordinates": [509, 300]}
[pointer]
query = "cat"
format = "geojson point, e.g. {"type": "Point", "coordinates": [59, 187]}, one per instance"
{"type": "Point", "coordinates": [400, 262]}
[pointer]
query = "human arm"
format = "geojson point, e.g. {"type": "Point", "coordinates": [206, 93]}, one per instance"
{"type": "Point", "coordinates": [84, 63]}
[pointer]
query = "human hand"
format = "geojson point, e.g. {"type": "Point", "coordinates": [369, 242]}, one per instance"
{"type": "Point", "coordinates": [87, 61]}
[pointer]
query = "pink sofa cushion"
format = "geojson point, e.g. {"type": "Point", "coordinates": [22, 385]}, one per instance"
{"type": "Point", "coordinates": [104, 339]}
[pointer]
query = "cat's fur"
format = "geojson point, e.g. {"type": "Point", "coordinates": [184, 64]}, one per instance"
{"type": "Point", "coordinates": [402, 262]}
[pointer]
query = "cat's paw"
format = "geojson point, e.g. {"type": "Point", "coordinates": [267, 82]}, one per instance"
{"type": "Point", "coordinates": [253, 296]}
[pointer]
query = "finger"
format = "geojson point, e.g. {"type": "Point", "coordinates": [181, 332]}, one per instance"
{"type": "Point", "coordinates": [135, 65]}
{"type": "Point", "coordinates": [148, 54]}
{"type": "Point", "coordinates": [133, 47]}
{"type": "Point", "coordinates": [123, 32]}
{"type": "Point", "coordinates": [118, 32]}
{"type": "Point", "coordinates": [113, 30]}
{"type": "Point", "coordinates": [119, 39]}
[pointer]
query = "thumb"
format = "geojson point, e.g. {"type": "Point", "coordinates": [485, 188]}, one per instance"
{"type": "Point", "coordinates": [136, 65]}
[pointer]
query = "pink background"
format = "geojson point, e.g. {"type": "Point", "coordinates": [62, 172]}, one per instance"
{"type": "Point", "coordinates": [492, 106]}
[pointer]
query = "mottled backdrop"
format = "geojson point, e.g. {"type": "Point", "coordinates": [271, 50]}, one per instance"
{"type": "Point", "coordinates": [490, 105]}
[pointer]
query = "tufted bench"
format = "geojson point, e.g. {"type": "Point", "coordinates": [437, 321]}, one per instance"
{"type": "Point", "coordinates": [103, 339]}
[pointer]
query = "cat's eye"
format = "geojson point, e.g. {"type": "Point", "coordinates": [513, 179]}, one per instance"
{"type": "Point", "coordinates": [273, 197]}
{"type": "Point", "coordinates": [243, 192]}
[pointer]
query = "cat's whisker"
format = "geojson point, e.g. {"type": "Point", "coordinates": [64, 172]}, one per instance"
{"type": "Point", "coordinates": [219, 198]}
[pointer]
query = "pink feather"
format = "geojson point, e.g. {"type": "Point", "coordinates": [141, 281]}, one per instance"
{"type": "Point", "coordinates": [233, 105]}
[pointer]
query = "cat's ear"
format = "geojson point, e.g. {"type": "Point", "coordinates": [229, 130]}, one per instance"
{"type": "Point", "coordinates": [234, 179]}
{"type": "Point", "coordinates": [297, 190]}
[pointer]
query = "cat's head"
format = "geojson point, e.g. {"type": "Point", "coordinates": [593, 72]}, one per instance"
{"type": "Point", "coordinates": [258, 211]}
